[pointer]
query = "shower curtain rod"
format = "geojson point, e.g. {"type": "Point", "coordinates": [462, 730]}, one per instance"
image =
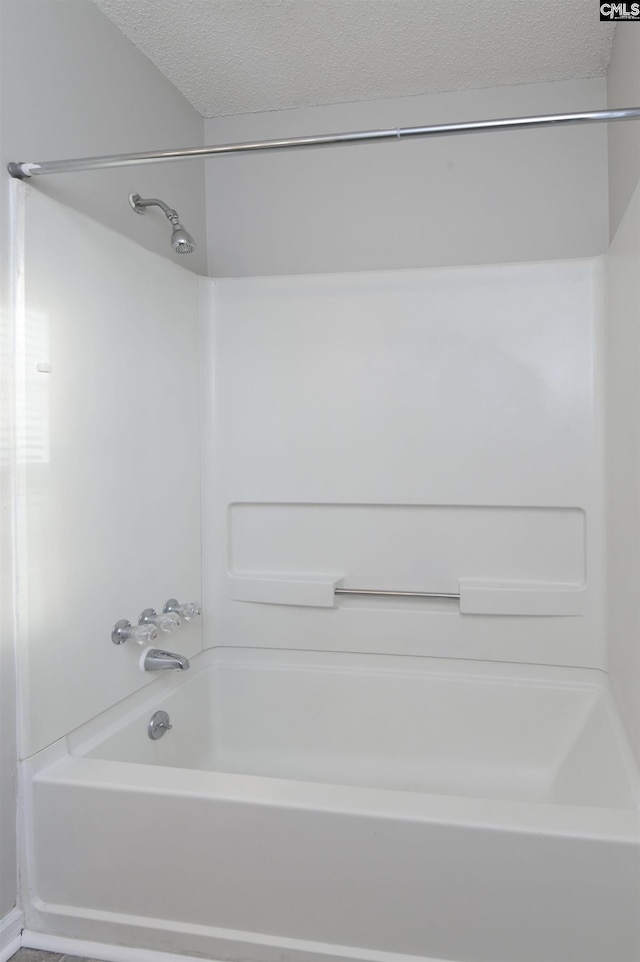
{"type": "Point", "coordinates": [23, 170]}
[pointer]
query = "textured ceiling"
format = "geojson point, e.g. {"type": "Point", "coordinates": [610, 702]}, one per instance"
{"type": "Point", "coordinates": [239, 56]}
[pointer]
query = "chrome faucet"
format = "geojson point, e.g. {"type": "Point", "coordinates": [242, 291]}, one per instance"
{"type": "Point", "coordinates": [155, 659]}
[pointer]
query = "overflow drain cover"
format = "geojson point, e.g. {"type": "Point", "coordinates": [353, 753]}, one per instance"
{"type": "Point", "coordinates": [158, 724]}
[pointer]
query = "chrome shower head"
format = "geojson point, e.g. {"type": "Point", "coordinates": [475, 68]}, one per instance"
{"type": "Point", "coordinates": [181, 241]}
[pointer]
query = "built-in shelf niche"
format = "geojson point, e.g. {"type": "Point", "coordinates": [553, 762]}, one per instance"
{"type": "Point", "coordinates": [526, 561]}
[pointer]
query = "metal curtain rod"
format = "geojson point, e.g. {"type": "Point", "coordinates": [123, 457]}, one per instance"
{"type": "Point", "coordinates": [22, 169]}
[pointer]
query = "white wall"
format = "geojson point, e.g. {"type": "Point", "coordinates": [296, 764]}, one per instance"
{"type": "Point", "coordinates": [405, 430]}
{"type": "Point", "coordinates": [74, 86]}
{"type": "Point", "coordinates": [491, 198]}
{"type": "Point", "coordinates": [71, 84]}
{"type": "Point", "coordinates": [623, 466]}
{"type": "Point", "coordinates": [623, 380]}
{"type": "Point", "coordinates": [623, 90]}
{"type": "Point", "coordinates": [108, 462]}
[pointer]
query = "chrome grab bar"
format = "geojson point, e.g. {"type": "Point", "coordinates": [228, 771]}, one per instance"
{"type": "Point", "coordinates": [396, 594]}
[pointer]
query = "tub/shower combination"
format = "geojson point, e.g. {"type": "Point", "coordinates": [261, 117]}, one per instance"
{"type": "Point", "coordinates": [317, 806]}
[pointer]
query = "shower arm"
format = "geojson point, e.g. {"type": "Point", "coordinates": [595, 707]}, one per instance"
{"type": "Point", "coordinates": [139, 204]}
{"type": "Point", "coordinates": [22, 170]}
{"type": "Point", "coordinates": [181, 241]}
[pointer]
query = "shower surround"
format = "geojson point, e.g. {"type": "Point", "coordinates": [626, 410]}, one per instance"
{"type": "Point", "coordinates": [350, 777]}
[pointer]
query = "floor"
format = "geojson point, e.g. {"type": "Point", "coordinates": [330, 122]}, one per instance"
{"type": "Point", "coordinates": [35, 955]}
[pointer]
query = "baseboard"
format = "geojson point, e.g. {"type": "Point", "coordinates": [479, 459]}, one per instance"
{"type": "Point", "coordinates": [10, 934]}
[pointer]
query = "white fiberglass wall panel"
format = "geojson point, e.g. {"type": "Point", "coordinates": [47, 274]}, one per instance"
{"type": "Point", "coordinates": [417, 430]}
{"type": "Point", "coordinates": [108, 452]}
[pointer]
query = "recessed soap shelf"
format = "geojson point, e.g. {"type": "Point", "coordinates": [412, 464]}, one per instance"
{"type": "Point", "coordinates": [475, 597]}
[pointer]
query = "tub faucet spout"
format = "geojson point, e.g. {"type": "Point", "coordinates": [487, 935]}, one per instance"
{"type": "Point", "coordinates": [155, 659]}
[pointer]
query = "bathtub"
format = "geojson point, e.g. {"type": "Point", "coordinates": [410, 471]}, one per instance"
{"type": "Point", "coordinates": [322, 806]}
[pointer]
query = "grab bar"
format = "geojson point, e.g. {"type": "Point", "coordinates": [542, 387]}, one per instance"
{"type": "Point", "coordinates": [474, 597]}
{"type": "Point", "coordinates": [396, 594]}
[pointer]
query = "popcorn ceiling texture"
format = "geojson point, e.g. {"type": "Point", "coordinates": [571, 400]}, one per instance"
{"type": "Point", "coordinates": [240, 56]}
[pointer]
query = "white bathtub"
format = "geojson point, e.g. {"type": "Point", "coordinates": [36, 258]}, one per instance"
{"type": "Point", "coordinates": [316, 806]}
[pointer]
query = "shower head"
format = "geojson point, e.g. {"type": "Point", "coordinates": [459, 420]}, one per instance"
{"type": "Point", "coordinates": [181, 241]}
